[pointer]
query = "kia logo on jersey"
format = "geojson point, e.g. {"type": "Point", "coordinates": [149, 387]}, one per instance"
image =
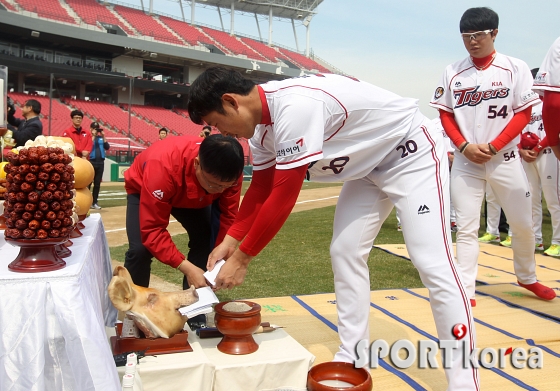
{"type": "Point", "coordinates": [471, 96]}
{"type": "Point", "coordinates": [158, 194]}
{"type": "Point", "coordinates": [439, 93]}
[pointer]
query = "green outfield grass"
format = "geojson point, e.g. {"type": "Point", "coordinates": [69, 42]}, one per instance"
{"type": "Point", "coordinates": [110, 195]}
{"type": "Point", "coordinates": [297, 260]}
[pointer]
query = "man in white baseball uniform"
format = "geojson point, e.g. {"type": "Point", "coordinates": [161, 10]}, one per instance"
{"type": "Point", "coordinates": [485, 102]}
{"type": "Point", "coordinates": [547, 84]}
{"type": "Point", "coordinates": [542, 169]}
{"type": "Point", "coordinates": [332, 128]}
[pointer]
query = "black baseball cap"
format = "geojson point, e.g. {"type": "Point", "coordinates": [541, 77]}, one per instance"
{"type": "Point", "coordinates": [94, 125]}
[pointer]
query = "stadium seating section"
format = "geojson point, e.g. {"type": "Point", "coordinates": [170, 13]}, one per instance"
{"type": "Point", "coordinates": [302, 61]}
{"type": "Point", "coordinates": [147, 25]}
{"type": "Point", "coordinates": [49, 9]}
{"type": "Point", "coordinates": [233, 44]}
{"type": "Point", "coordinates": [190, 34]}
{"type": "Point", "coordinates": [159, 28]}
{"type": "Point", "coordinates": [8, 6]}
{"type": "Point", "coordinates": [92, 12]}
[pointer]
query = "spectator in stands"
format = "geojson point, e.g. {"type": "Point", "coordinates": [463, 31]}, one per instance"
{"type": "Point", "coordinates": [82, 140]}
{"type": "Point", "coordinates": [163, 133]}
{"type": "Point", "coordinates": [199, 184]}
{"type": "Point", "coordinates": [205, 132]}
{"type": "Point", "coordinates": [97, 159]}
{"type": "Point", "coordinates": [28, 128]}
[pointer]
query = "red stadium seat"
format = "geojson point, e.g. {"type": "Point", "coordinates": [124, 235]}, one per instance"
{"type": "Point", "coordinates": [48, 9]}
{"type": "Point", "coordinates": [92, 12]}
{"type": "Point", "coordinates": [302, 61]}
{"type": "Point", "coordinates": [147, 25]}
{"type": "Point", "coordinates": [233, 44]}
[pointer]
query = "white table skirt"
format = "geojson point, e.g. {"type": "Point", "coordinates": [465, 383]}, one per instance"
{"type": "Point", "coordinates": [52, 334]}
{"type": "Point", "coordinates": [281, 363]}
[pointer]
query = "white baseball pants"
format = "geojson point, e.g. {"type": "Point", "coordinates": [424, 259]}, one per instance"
{"type": "Point", "coordinates": [417, 184]}
{"type": "Point", "coordinates": [508, 181]}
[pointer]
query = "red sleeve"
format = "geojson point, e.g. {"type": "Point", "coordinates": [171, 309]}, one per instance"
{"type": "Point", "coordinates": [229, 205]}
{"type": "Point", "coordinates": [451, 127]}
{"type": "Point", "coordinates": [275, 210]}
{"type": "Point", "coordinates": [89, 144]}
{"type": "Point", "coordinates": [155, 212]}
{"type": "Point", "coordinates": [542, 144]}
{"type": "Point", "coordinates": [550, 116]}
{"type": "Point", "coordinates": [513, 128]}
{"type": "Point", "coordinates": [256, 195]}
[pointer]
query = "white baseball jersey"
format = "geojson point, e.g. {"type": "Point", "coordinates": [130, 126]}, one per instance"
{"type": "Point", "coordinates": [535, 125]}
{"type": "Point", "coordinates": [484, 101]}
{"type": "Point", "coordinates": [341, 126]}
{"type": "Point", "coordinates": [548, 77]}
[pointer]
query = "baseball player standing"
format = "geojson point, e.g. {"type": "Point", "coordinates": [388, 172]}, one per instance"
{"type": "Point", "coordinates": [547, 84]}
{"type": "Point", "coordinates": [484, 103]}
{"type": "Point", "coordinates": [542, 169]}
{"type": "Point", "coordinates": [332, 128]}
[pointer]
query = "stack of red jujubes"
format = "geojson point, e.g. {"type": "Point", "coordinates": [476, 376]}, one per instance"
{"type": "Point", "coordinates": [38, 203]}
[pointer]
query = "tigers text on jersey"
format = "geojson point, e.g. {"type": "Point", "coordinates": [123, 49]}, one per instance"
{"type": "Point", "coordinates": [535, 125]}
{"type": "Point", "coordinates": [548, 77]}
{"type": "Point", "coordinates": [340, 126]}
{"type": "Point", "coordinates": [484, 101]}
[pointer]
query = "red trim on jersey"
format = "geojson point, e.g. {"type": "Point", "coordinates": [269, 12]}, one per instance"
{"type": "Point", "coordinates": [505, 69]}
{"type": "Point", "coordinates": [451, 81]}
{"type": "Point", "coordinates": [484, 62]}
{"type": "Point", "coordinates": [266, 206]}
{"type": "Point", "coordinates": [441, 107]}
{"type": "Point", "coordinates": [265, 119]}
{"type": "Point", "coordinates": [264, 135]}
{"type": "Point", "coordinates": [262, 164]}
{"type": "Point", "coordinates": [451, 127]}
{"type": "Point", "coordinates": [550, 117]}
{"type": "Point", "coordinates": [297, 160]}
{"type": "Point", "coordinates": [450, 260]}
{"type": "Point", "coordinates": [325, 92]}
{"type": "Point", "coordinates": [513, 128]}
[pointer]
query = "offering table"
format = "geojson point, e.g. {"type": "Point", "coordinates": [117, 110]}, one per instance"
{"type": "Point", "coordinates": [279, 363]}
{"type": "Point", "coordinates": [52, 324]}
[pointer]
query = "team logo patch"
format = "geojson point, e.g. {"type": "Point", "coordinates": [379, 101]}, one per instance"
{"type": "Point", "coordinates": [528, 96]}
{"type": "Point", "coordinates": [439, 93]}
{"type": "Point", "coordinates": [158, 194]}
{"type": "Point", "coordinates": [541, 78]}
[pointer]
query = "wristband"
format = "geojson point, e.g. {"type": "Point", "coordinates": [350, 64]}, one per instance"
{"type": "Point", "coordinates": [464, 147]}
{"type": "Point", "coordinates": [492, 149]}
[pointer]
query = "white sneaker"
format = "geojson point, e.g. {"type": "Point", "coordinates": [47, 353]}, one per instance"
{"type": "Point", "coordinates": [95, 206]}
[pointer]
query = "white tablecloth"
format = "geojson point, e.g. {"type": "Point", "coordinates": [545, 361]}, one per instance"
{"type": "Point", "coordinates": [281, 363]}
{"type": "Point", "coordinates": [52, 324]}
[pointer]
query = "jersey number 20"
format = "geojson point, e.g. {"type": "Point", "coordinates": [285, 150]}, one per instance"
{"type": "Point", "coordinates": [408, 147]}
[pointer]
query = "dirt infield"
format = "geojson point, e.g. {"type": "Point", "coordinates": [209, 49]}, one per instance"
{"type": "Point", "coordinates": [114, 222]}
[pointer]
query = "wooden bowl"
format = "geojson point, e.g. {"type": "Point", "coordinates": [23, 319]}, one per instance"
{"type": "Point", "coordinates": [238, 328]}
{"type": "Point", "coordinates": [336, 372]}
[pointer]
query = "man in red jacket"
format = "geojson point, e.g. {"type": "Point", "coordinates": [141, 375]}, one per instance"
{"type": "Point", "coordinates": [196, 181]}
{"type": "Point", "coordinates": [81, 137]}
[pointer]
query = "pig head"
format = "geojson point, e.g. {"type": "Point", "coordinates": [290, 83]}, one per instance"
{"type": "Point", "coordinates": [154, 312]}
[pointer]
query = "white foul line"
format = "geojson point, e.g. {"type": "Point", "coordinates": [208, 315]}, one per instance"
{"type": "Point", "coordinates": [174, 221]}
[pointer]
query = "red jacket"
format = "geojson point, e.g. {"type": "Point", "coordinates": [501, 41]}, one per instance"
{"type": "Point", "coordinates": [82, 141]}
{"type": "Point", "coordinates": [164, 176]}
